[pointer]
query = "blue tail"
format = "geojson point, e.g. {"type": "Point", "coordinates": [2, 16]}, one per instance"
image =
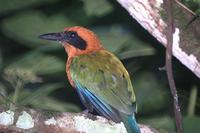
{"type": "Point", "coordinates": [130, 123]}
{"type": "Point", "coordinates": [107, 111]}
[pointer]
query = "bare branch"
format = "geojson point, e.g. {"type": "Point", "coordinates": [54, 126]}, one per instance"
{"type": "Point", "coordinates": [180, 39]}
{"type": "Point", "coordinates": [31, 121]}
{"type": "Point", "coordinates": [151, 15]}
{"type": "Point", "coordinates": [170, 31]}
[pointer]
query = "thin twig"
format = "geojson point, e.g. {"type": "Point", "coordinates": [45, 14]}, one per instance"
{"type": "Point", "coordinates": [170, 31]}
{"type": "Point", "coordinates": [195, 15]}
{"type": "Point", "coordinates": [185, 7]}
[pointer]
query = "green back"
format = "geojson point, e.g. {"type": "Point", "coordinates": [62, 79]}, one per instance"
{"type": "Point", "coordinates": [103, 74]}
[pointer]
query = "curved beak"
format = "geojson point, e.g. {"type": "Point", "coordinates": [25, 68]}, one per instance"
{"type": "Point", "coordinates": [53, 36]}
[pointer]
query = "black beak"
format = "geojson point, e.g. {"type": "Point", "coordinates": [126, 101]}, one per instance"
{"type": "Point", "coordinates": [70, 37]}
{"type": "Point", "coordinates": [53, 36]}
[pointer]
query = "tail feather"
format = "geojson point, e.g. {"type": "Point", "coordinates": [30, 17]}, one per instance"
{"type": "Point", "coordinates": [130, 123]}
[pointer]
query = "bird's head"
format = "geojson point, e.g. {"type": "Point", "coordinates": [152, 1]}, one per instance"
{"type": "Point", "coordinates": [76, 40]}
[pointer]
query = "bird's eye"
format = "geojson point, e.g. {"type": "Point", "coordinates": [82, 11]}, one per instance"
{"type": "Point", "coordinates": [72, 34]}
{"type": "Point", "coordinates": [72, 37]}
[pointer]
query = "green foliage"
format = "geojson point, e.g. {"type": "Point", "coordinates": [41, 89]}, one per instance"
{"type": "Point", "coordinates": [26, 27]}
{"type": "Point", "coordinates": [153, 96]}
{"type": "Point", "coordinates": [24, 75]}
{"type": "Point", "coordinates": [161, 123]}
{"type": "Point", "coordinates": [91, 6]}
{"type": "Point", "coordinates": [192, 4]}
{"type": "Point", "coordinates": [33, 70]}
{"type": "Point", "coordinates": [191, 124]}
{"type": "Point", "coordinates": [123, 46]}
{"type": "Point", "coordinates": [8, 6]}
{"type": "Point", "coordinates": [39, 63]}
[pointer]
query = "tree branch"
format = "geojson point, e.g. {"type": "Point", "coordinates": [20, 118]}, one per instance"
{"type": "Point", "coordinates": [180, 39]}
{"type": "Point", "coordinates": [170, 31]}
{"type": "Point", "coordinates": [31, 121]}
{"type": "Point", "coordinates": [151, 15]}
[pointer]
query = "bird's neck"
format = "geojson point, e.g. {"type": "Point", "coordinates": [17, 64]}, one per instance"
{"type": "Point", "coordinates": [69, 61]}
{"type": "Point", "coordinates": [72, 51]}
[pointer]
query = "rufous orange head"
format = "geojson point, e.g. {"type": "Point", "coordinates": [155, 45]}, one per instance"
{"type": "Point", "coordinates": [76, 40]}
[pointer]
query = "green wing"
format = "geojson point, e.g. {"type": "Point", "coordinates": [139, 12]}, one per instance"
{"type": "Point", "coordinates": [103, 74]}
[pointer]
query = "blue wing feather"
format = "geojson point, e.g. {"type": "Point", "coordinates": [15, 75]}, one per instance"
{"type": "Point", "coordinates": [100, 106]}
{"type": "Point", "coordinates": [85, 101]}
{"type": "Point", "coordinates": [106, 110]}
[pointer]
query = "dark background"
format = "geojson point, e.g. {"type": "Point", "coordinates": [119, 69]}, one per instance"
{"type": "Point", "coordinates": [32, 71]}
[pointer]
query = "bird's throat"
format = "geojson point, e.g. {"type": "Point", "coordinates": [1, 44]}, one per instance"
{"type": "Point", "coordinates": [69, 60]}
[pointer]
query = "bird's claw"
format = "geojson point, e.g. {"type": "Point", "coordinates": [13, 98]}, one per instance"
{"type": "Point", "coordinates": [87, 113]}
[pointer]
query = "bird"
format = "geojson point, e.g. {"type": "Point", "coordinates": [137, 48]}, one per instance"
{"type": "Point", "coordinates": [99, 77]}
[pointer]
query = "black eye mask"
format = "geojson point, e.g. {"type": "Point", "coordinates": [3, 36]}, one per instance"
{"type": "Point", "coordinates": [72, 38]}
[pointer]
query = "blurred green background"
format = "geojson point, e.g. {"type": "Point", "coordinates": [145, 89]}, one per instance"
{"type": "Point", "coordinates": [33, 70]}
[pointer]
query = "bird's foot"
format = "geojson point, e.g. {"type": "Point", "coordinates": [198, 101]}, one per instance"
{"type": "Point", "coordinates": [87, 113]}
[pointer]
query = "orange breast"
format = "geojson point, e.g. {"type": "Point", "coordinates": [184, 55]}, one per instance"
{"type": "Point", "coordinates": [68, 72]}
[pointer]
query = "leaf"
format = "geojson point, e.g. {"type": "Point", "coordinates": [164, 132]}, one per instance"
{"type": "Point", "coordinates": [191, 124]}
{"type": "Point", "coordinates": [152, 95]}
{"type": "Point", "coordinates": [137, 53]}
{"type": "Point", "coordinates": [28, 96]}
{"type": "Point", "coordinates": [26, 27]}
{"type": "Point", "coordinates": [8, 5]}
{"type": "Point", "coordinates": [97, 7]}
{"type": "Point", "coordinates": [38, 98]}
{"type": "Point", "coordinates": [49, 103]}
{"type": "Point", "coordinates": [162, 123]}
{"type": "Point", "coordinates": [111, 37]}
{"type": "Point", "coordinates": [119, 39]}
{"type": "Point", "coordinates": [39, 63]}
